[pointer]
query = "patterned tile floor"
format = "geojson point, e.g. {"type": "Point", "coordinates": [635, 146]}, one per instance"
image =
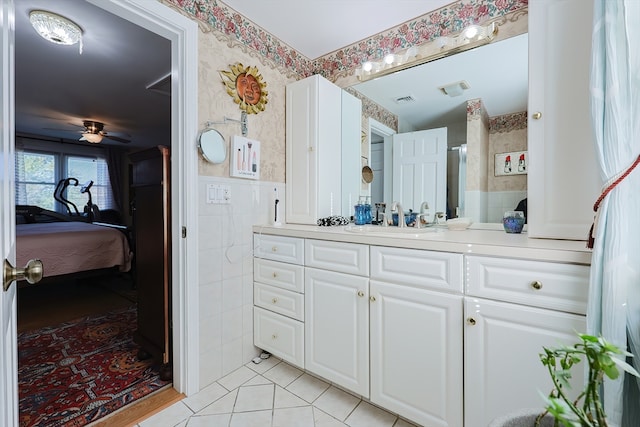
{"type": "Point", "coordinates": [273, 394]}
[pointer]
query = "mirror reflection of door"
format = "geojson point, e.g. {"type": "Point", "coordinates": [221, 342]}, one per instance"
{"type": "Point", "coordinates": [420, 170]}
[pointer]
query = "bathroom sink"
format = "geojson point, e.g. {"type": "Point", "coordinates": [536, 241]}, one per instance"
{"type": "Point", "coordinates": [378, 230]}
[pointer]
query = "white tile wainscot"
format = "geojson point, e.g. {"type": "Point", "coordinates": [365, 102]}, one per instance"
{"type": "Point", "coordinates": [408, 305]}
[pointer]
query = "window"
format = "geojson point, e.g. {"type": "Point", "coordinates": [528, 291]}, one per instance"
{"type": "Point", "coordinates": [38, 173]}
{"type": "Point", "coordinates": [36, 179]}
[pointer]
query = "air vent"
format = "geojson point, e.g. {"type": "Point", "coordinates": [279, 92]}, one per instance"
{"type": "Point", "coordinates": [405, 99]}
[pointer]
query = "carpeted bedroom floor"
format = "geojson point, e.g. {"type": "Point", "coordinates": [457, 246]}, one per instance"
{"type": "Point", "coordinates": [77, 360]}
{"type": "Point", "coordinates": [80, 371]}
{"type": "Point", "coordinates": [59, 301]}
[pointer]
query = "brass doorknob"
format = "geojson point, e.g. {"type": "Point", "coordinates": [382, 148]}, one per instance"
{"type": "Point", "coordinates": [32, 273]}
{"type": "Point", "coordinates": [471, 321]}
{"type": "Point", "coordinates": [537, 285]}
{"type": "Point", "coordinates": [537, 115]}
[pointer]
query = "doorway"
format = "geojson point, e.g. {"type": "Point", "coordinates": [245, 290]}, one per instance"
{"type": "Point", "coordinates": [182, 33]}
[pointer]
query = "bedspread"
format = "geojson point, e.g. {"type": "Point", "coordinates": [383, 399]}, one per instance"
{"type": "Point", "coordinates": [71, 247]}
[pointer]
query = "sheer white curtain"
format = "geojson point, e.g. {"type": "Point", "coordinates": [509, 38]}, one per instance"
{"type": "Point", "coordinates": [614, 300]}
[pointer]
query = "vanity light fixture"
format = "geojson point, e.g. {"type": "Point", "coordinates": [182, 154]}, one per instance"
{"type": "Point", "coordinates": [56, 28]}
{"type": "Point", "coordinates": [469, 38]}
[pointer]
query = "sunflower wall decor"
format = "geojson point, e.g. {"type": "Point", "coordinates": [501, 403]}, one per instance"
{"type": "Point", "coordinates": [246, 87]}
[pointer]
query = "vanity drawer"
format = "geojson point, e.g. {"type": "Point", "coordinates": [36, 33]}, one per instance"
{"type": "Point", "coordinates": [551, 285]}
{"type": "Point", "coordinates": [419, 268]}
{"type": "Point", "coordinates": [342, 257]}
{"type": "Point", "coordinates": [279, 300]}
{"type": "Point", "coordinates": [279, 335]}
{"type": "Point", "coordinates": [280, 274]}
{"type": "Point", "coordinates": [279, 248]}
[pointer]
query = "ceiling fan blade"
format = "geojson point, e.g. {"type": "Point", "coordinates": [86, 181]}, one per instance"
{"type": "Point", "coordinates": [64, 130]}
{"type": "Point", "coordinates": [116, 138]}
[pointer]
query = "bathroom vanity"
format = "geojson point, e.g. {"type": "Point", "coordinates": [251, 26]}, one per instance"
{"type": "Point", "coordinates": [441, 327]}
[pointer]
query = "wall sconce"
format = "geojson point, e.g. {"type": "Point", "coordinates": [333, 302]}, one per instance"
{"type": "Point", "coordinates": [469, 38]}
{"type": "Point", "coordinates": [55, 28]}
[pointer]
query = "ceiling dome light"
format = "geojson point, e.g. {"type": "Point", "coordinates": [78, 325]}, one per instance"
{"type": "Point", "coordinates": [94, 138]}
{"type": "Point", "coordinates": [56, 28]}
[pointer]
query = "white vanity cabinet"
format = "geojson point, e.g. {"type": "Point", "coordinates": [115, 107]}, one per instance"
{"type": "Point", "coordinates": [320, 119]}
{"type": "Point", "coordinates": [337, 313]}
{"type": "Point", "coordinates": [278, 297]}
{"type": "Point", "coordinates": [563, 179]}
{"type": "Point", "coordinates": [512, 309]}
{"type": "Point", "coordinates": [416, 334]}
{"type": "Point", "coordinates": [443, 339]}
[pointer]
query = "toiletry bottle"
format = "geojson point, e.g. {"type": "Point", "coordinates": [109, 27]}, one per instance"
{"type": "Point", "coordinates": [359, 218]}
{"type": "Point", "coordinates": [367, 210]}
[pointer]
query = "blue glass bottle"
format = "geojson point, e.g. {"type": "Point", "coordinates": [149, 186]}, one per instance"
{"type": "Point", "coordinates": [367, 213]}
{"type": "Point", "coordinates": [360, 217]}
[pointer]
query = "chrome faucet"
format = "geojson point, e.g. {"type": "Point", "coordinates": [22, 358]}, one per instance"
{"type": "Point", "coordinates": [424, 211]}
{"type": "Point", "coordinates": [396, 206]}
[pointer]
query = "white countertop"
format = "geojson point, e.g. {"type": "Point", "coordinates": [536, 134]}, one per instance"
{"type": "Point", "coordinates": [470, 241]}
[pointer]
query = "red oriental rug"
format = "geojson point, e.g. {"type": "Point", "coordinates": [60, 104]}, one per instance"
{"type": "Point", "coordinates": [80, 371]}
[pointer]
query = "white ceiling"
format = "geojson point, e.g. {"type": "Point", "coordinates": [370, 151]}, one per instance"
{"type": "Point", "coordinates": [318, 27]}
{"type": "Point", "coordinates": [57, 88]}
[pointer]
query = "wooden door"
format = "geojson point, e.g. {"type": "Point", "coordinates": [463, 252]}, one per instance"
{"type": "Point", "coordinates": [8, 334]}
{"type": "Point", "coordinates": [420, 169]}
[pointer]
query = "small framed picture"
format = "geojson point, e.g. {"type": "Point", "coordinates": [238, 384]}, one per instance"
{"type": "Point", "coordinates": [245, 158]}
{"type": "Point", "coordinates": [514, 163]}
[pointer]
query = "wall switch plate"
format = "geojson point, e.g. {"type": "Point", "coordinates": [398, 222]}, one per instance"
{"type": "Point", "coordinates": [218, 193]}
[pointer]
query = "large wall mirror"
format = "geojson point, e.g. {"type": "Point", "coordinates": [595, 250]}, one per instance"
{"type": "Point", "coordinates": [495, 74]}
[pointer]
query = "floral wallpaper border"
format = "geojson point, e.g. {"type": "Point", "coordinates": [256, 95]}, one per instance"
{"type": "Point", "coordinates": [508, 122]}
{"type": "Point", "coordinates": [371, 109]}
{"type": "Point", "coordinates": [497, 124]}
{"type": "Point", "coordinates": [237, 30]}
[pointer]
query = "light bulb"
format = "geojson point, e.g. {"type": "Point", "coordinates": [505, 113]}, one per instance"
{"type": "Point", "coordinates": [367, 66]}
{"type": "Point", "coordinates": [471, 32]}
{"type": "Point", "coordinates": [389, 58]}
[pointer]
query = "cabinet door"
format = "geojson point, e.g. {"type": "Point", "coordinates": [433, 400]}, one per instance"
{"type": "Point", "coordinates": [337, 328]}
{"type": "Point", "coordinates": [313, 144]}
{"type": "Point", "coordinates": [563, 179]}
{"type": "Point", "coordinates": [502, 368]}
{"type": "Point", "coordinates": [416, 353]}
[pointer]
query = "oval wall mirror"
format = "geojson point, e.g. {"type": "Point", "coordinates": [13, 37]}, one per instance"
{"type": "Point", "coordinates": [367, 174]}
{"type": "Point", "coordinates": [212, 146]}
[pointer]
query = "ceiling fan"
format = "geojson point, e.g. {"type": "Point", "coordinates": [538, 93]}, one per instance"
{"type": "Point", "coordinates": [94, 133]}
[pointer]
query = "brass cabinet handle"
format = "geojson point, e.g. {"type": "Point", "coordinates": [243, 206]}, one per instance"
{"type": "Point", "coordinates": [275, 274]}
{"type": "Point", "coordinates": [360, 293]}
{"type": "Point", "coordinates": [274, 300]}
{"type": "Point", "coordinates": [274, 249]}
{"type": "Point", "coordinates": [471, 321]}
{"type": "Point", "coordinates": [537, 285]}
{"type": "Point", "coordinates": [274, 336]}
{"type": "Point", "coordinates": [372, 298]}
{"type": "Point", "coordinates": [537, 115]}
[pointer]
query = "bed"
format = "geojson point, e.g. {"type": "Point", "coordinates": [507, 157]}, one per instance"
{"type": "Point", "coordinates": [69, 247]}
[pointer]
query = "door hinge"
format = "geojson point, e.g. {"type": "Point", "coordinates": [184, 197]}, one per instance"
{"type": "Point", "coordinates": [184, 232]}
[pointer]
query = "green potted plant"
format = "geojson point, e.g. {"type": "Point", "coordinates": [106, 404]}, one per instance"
{"type": "Point", "coordinates": [586, 410]}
